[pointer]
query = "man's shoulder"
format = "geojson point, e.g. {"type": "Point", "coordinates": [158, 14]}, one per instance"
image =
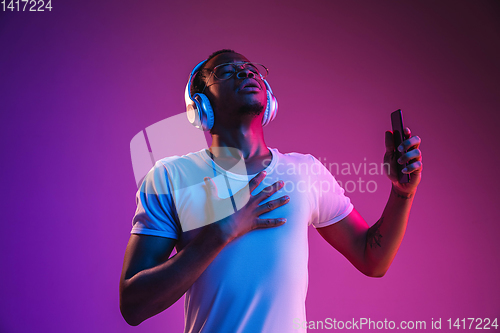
{"type": "Point", "coordinates": [183, 161]}
{"type": "Point", "coordinates": [177, 169]}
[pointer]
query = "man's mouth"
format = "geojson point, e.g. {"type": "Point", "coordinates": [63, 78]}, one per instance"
{"type": "Point", "coordinates": [249, 84]}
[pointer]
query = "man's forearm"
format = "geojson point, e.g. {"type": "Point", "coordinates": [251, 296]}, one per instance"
{"type": "Point", "coordinates": [384, 237]}
{"type": "Point", "coordinates": [153, 290]}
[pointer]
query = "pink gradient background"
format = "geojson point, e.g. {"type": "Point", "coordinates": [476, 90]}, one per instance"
{"type": "Point", "coordinates": [77, 83]}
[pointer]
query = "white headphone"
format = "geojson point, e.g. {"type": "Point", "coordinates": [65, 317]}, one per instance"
{"type": "Point", "coordinates": [200, 113]}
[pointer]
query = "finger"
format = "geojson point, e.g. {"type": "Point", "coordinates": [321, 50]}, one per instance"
{"type": "Point", "coordinates": [389, 142]}
{"type": "Point", "coordinates": [407, 132]}
{"type": "Point", "coordinates": [414, 154]}
{"type": "Point", "coordinates": [255, 181]}
{"type": "Point", "coordinates": [410, 144]}
{"type": "Point", "coordinates": [269, 223]}
{"type": "Point", "coordinates": [211, 187]}
{"type": "Point", "coordinates": [270, 190]}
{"type": "Point", "coordinates": [272, 205]}
{"type": "Point", "coordinates": [415, 167]}
{"type": "Point", "coordinates": [243, 196]}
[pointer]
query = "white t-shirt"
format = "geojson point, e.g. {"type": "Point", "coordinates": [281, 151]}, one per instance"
{"type": "Point", "coordinates": [258, 282]}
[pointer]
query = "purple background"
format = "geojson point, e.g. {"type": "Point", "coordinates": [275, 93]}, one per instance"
{"type": "Point", "coordinates": [77, 83]}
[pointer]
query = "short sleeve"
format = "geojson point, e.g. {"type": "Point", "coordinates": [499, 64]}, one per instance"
{"type": "Point", "coordinates": [330, 203]}
{"type": "Point", "coordinates": [156, 214]}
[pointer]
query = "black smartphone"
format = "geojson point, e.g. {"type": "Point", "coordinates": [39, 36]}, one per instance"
{"type": "Point", "coordinates": [399, 136]}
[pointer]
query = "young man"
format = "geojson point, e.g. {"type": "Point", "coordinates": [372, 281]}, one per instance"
{"type": "Point", "coordinates": [242, 254]}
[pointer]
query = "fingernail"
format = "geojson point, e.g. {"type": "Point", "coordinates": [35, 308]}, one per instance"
{"type": "Point", "coordinates": [399, 160]}
{"type": "Point", "coordinates": [404, 170]}
{"type": "Point", "coordinates": [280, 183]}
{"type": "Point", "coordinates": [287, 198]}
{"type": "Point", "coordinates": [400, 148]}
{"type": "Point", "coordinates": [264, 172]}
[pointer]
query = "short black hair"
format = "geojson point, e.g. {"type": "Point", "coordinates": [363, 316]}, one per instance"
{"type": "Point", "coordinates": [198, 82]}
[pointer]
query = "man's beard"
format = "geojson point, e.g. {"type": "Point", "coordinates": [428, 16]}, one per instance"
{"type": "Point", "coordinates": [251, 109]}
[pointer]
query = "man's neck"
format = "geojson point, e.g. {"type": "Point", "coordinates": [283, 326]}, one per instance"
{"type": "Point", "coordinates": [247, 139]}
{"type": "Point", "coordinates": [230, 145]}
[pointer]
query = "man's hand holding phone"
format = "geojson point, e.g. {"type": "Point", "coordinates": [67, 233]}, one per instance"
{"type": "Point", "coordinates": [405, 159]}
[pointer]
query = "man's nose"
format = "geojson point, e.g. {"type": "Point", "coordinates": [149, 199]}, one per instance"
{"type": "Point", "coordinates": [244, 73]}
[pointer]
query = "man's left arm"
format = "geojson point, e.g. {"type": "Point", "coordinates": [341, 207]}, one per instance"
{"type": "Point", "coordinates": [372, 249]}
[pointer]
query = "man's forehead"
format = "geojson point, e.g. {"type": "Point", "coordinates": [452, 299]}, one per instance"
{"type": "Point", "coordinates": [225, 58]}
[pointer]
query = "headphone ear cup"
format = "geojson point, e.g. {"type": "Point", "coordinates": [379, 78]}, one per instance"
{"type": "Point", "coordinates": [198, 109]}
{"type": "Point", "coordinates": [205, 113]}
{"type": "Point", "coordinates": [265, 118]}
{"type": "Point", "coordinates": [193, 114]}
{"type": "Point", "coordinates": [272, 106]}
{"type": "Point", "coordinates": [191, 108]}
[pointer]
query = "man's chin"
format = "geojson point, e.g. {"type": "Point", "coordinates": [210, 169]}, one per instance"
{"type": "Point", "coordinates": [252, 109]}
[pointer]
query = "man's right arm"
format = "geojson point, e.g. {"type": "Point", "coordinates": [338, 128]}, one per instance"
{"type": "Point", "coordinates": [151, 282]}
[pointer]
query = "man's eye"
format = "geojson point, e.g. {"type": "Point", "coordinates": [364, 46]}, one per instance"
{"type": "Point", "coordinates": [224, 72]}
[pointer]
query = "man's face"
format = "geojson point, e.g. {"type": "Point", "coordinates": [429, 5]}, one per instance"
{"type": "Point", "coordinates": [242, 94]}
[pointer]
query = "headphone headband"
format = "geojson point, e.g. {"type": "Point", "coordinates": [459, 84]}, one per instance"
{"type": "Point", "coordinates": [195, 70]}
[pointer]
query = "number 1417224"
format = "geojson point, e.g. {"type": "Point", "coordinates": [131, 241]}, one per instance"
{"type": "Point", "coordinates": [26, 5]}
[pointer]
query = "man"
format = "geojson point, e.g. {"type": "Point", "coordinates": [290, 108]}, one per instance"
{"type": "Point", "coordinates": [245, 269]}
